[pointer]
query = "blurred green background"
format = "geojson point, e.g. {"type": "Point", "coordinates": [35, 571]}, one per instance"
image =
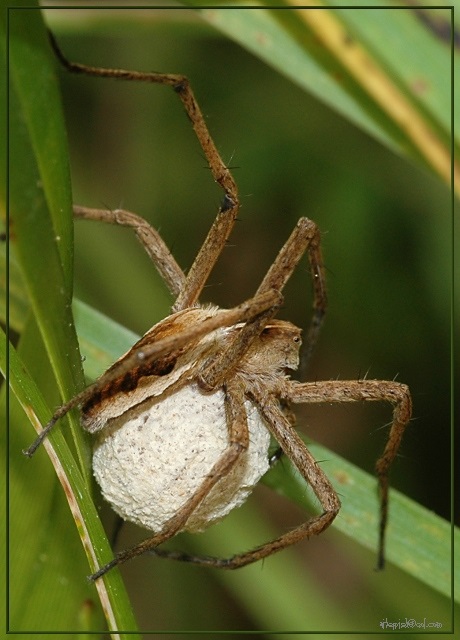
{"type": "Point", "coordinates": [386, 229]}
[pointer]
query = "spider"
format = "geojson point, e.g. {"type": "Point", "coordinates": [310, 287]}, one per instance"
{"type": "Point", "coordinates": [183, 420]}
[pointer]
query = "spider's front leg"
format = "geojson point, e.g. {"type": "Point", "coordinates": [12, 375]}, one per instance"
{"type": "Point", "coordinates": [369, 391]}
{"type": "Point", "coordinates": [304, 238]}
{"type": "Point", "coordinates": [296, 450]}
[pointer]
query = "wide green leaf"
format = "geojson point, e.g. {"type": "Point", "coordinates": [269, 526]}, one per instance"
{"type": "Point", "coordinates": [350, 58]}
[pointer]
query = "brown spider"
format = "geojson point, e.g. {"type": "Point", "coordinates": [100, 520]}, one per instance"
{"type": "Point", "coordinates": [183, 420]}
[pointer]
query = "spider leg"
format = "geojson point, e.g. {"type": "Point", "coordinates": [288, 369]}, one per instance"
{"type": "Point", "coordinates": [222, 226]}
{"type": "Point", "coordinates": [238, 442]}
{"type": "Point", "coordinates": [209, 252]}
{"type": "Point", "coordinates": [149, 237]}
{"type": "Point", "coordinates": [365, 390]}
{"type": "Point", "coordinates": [304, 237]}
{"type": "Point", "coordinates": [319, 392]}
{"type": "Point", "coordinates": [278, 453]}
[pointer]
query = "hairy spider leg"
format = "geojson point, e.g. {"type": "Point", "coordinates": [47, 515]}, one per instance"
{"type": "Point", "coordinates": [147, 235]}
{"type": "Point", "coordinates": [304, 238]}
{"type": "Point", "coordinates": [370, 391]}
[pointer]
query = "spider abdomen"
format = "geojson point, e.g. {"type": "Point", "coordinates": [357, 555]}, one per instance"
{"type": "Point", "coordinates": [151, 460]}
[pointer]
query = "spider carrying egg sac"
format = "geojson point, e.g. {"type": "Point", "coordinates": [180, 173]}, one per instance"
{"type": "Point", "coordinates": [159, 433]}
{"type": "Point", "coordinates": [150, 461]}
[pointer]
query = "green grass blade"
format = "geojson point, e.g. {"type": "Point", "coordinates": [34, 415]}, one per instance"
{"type": "Point", "coordinates": [409, 110]}
{"type": "Point", "coordinates": [40, 200]}
{"type": "Point", "coordinates": [418, 541]}
{"type": "Point", "coordinates": [41, 217]}
{"type": "Point", "coordinates": [53, 553]}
